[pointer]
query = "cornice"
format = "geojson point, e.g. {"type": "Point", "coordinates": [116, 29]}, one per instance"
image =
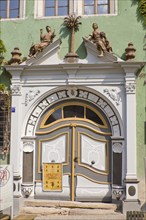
{"type": "Point", "coordinates": [117, 67]}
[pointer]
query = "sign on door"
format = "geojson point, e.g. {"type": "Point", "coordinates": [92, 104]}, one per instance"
{"type": "Point", "coordinates": [52, 176]}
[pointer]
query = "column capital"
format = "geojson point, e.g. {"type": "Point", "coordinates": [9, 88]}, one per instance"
{"type": "Point", "coordinates": [16, 90]}
{"type": "Point", "coordinates": [130, 87]}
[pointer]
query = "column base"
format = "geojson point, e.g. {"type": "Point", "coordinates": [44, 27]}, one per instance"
{"type": "Point", "coordinates": [16, 186]}
{"type": "Point", "coordinates": [71, 58]}
{"type": "Point", "coordinates": [26, 189]}
{"type": "Point", "coordinates": [130, 205]}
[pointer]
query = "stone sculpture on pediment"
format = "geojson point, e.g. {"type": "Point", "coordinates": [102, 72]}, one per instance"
{"type": "Point", "coordinates": [45, 40]}
{"type": "Point", "coordinates": [100, 39]}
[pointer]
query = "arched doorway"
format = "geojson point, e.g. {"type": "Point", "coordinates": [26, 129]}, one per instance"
{"type": "Point", "coordinates": [76, 134]}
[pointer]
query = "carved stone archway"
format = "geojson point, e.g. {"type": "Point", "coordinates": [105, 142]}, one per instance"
{"type": "Point", "coordinates": [61, 94]}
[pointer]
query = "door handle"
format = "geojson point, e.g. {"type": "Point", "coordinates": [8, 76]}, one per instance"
{"type": "Point", "coordinates": [76, 159]}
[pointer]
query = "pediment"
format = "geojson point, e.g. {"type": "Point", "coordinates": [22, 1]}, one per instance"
{"type": "Point", "coordinates": [93, 54]}
{"type": "Point", "coordinates": [49, 55]}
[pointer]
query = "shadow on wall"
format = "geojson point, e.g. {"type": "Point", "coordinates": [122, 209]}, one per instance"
{"type": "Point", "coordinates": [143, 208]}
{"type": "Point", "coordinates": [5, 78]}
{"type": "Point", "coordinates": [81, 51]}
{"type": "Point", "coordinates": [142, 193]}
{"type": "Point", "coordinates": [140, 17]}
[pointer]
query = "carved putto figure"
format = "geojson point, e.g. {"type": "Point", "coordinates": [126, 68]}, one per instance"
{"type": "Point", "coordinates": [45, 40]}
{"type": "Point", "coordinates": [100, 39]}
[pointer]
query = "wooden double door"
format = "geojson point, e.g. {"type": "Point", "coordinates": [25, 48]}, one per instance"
{"type": "Point", "coordinates": [84, 151]}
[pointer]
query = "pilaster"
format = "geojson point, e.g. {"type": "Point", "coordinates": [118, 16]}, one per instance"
{"type": "Point", "coordinates": [131, 201]}
{"type": "Point", "coordinates": [15, 158]}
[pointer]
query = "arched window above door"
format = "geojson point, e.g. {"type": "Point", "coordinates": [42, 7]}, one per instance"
{"type": "Point", "coordinates": [74, 110]}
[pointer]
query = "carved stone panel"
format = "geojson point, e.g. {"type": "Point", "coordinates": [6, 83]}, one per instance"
{"type": "Point", "coordinates": [31, 96]}
{"type": "Point", "coordinates": [130, 87]}
{"type": "Point", "coordinates": [16, 89]}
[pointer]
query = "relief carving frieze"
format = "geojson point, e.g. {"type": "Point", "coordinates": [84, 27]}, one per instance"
{"type": "Point", "coordinates": [72, 92]}
{"type": "Point", "coordinates": [43, 104]}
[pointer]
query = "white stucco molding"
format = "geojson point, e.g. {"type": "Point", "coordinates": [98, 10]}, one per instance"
{"type": "Point", "coordinates": [28, 146]}
{"type": "Point", "coordinates": [30, 95]}
{"type": "Point", "coordinates": [114, 95]}
{"type": "Point", "coordinates": [117, 147]}
{"type": "Point", "coordinates": [130, 87]}
{"type": "Point", "coordinates": [131, 70]}
{"type": "Point", "coordinates": [62, 74]}
{"type": "Point", "coordinates": [87, 74]}
{"type": "Point", "coordinates": [16, 90]}
{"type": "Point", "coordinates": [16, 72]}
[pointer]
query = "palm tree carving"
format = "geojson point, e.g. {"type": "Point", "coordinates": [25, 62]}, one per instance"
{"type": "Point", "coordinates": [72, 23]}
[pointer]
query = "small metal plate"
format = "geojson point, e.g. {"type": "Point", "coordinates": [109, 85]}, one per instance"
{"type": "Point", "coordinates": [52, 176]}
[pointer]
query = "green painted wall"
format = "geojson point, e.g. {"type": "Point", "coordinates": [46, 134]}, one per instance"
{"type": "Point", "coordinates": [120, 29]}
{"type": "Point", "coordinates": [141, 123]}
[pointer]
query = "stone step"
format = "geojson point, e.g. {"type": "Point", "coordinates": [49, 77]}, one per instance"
{"type": "Point", "coordinates": [4, 217]}
{"type": "Point", "coordinates": [70, 204]}
{"type": "Point", "coordinates": [82, 217]}
{"type": "Point", "coordinates": [25, 217]}
{"type": "Point", "coordinates": [64, 211]}
{"type": "Point", "coordinates": [45, 211]}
